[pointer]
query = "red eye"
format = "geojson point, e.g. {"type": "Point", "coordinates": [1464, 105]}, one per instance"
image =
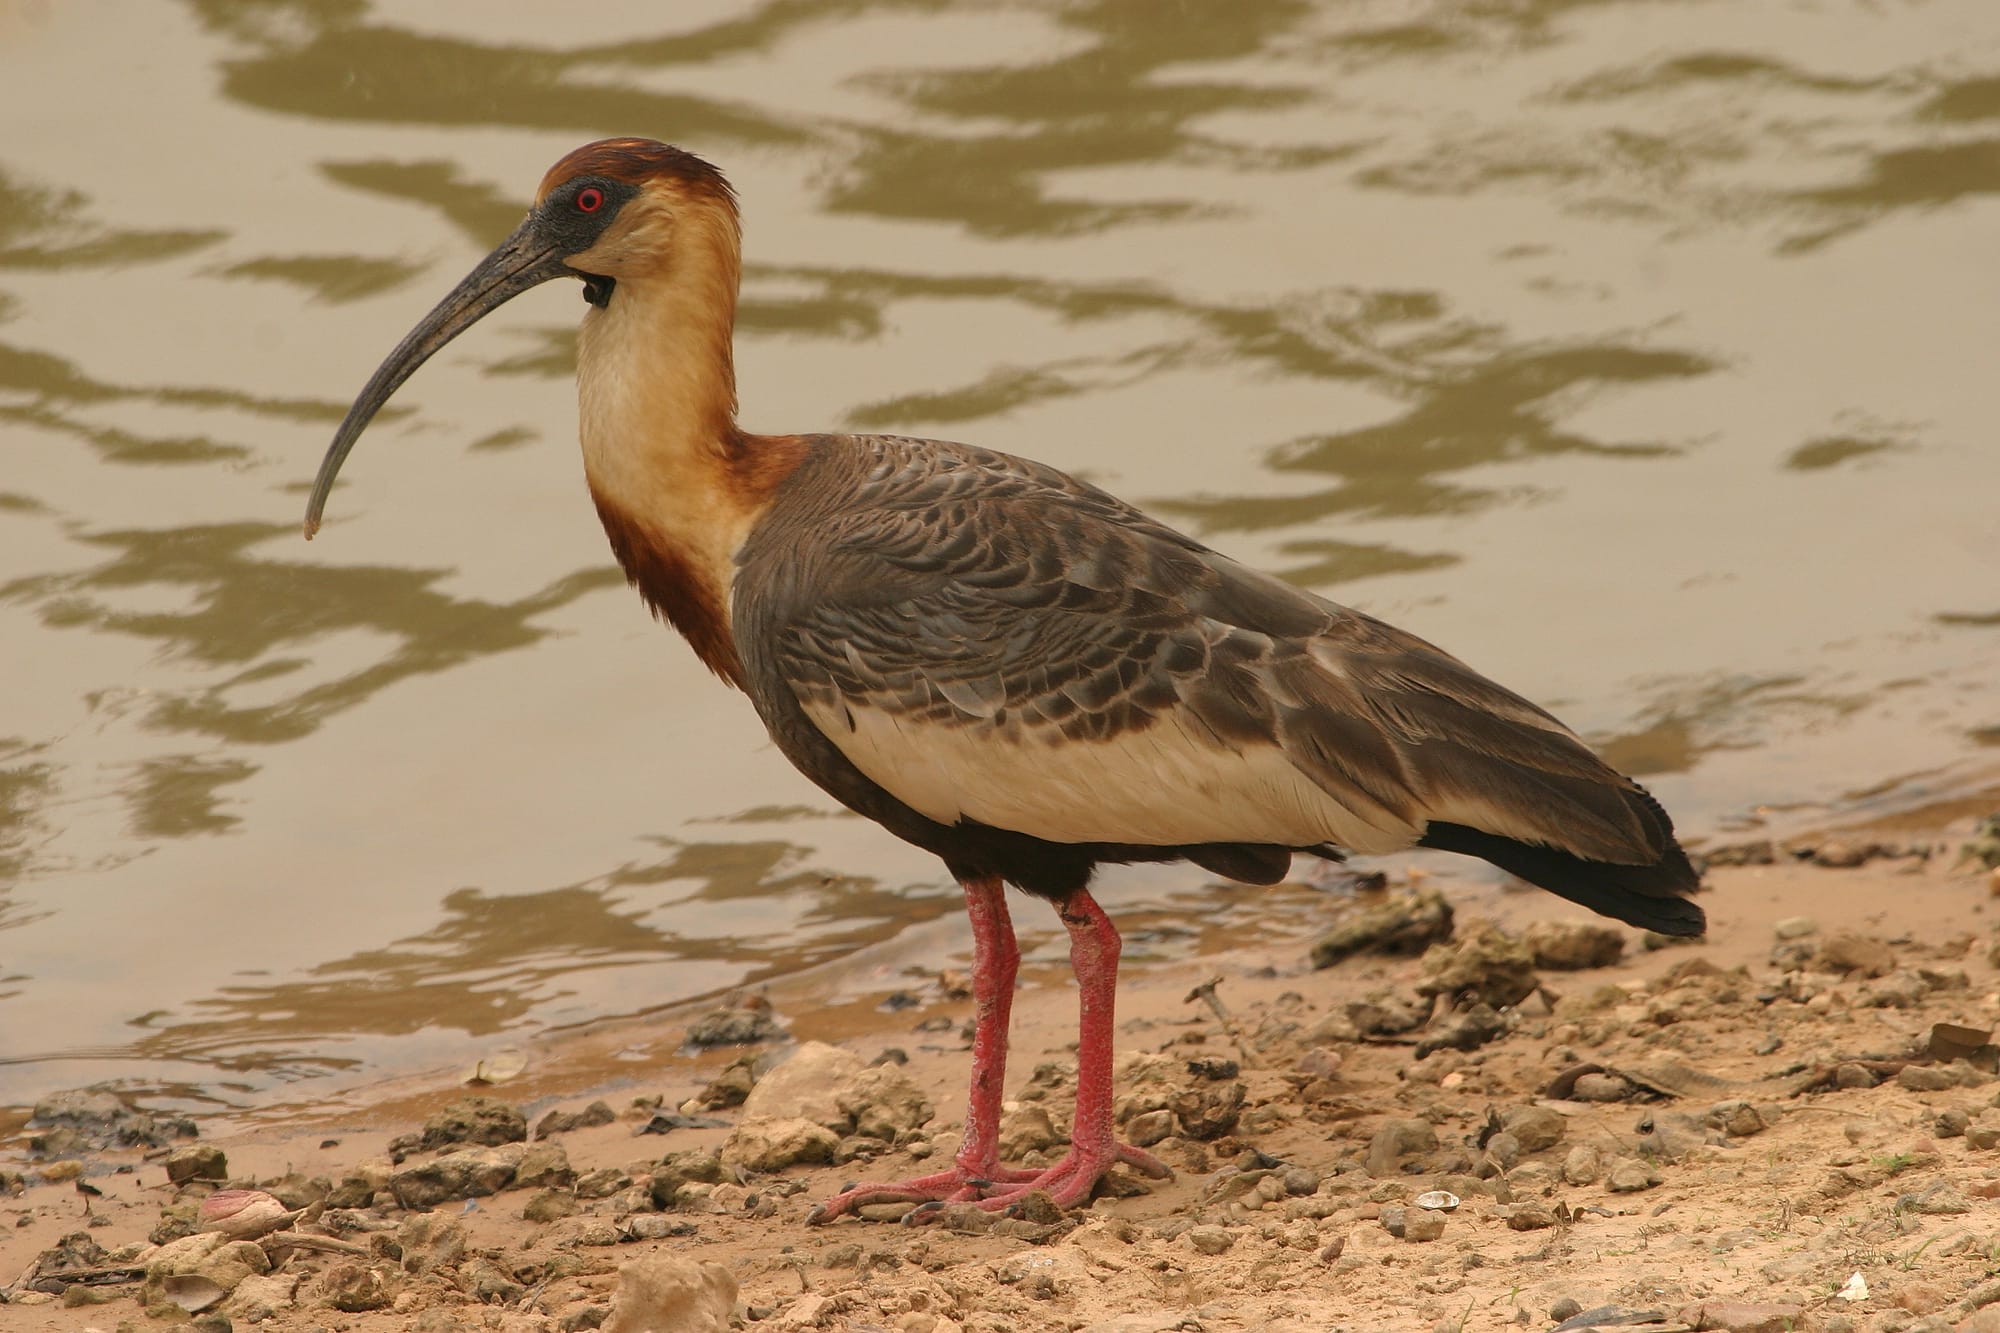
{"type": "Point", "coordinates": [589, 199]}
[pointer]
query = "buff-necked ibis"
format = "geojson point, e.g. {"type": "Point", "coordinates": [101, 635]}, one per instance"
{"type": "Point", "coordinates": [1006, 666]}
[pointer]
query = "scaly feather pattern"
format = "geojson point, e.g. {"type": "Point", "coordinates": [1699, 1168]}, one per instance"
{"type": "Point", "coordinates": [1021, 672]}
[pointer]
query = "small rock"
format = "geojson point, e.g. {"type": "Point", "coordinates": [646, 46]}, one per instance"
{"type": "Point", "coordinates": [1149, 1127]}
{"type": "Point", "coordinates": [1406, 924]}
{"type": "Point", "coordinates": [257, 1299]}
{"type": "Point", "coordinates": [1742, 1317]}
{"type": "Point", "coordinates": [1795, 927]}
{"type": "Point", "coordinates": [1466, 1030]}
{"type": "Point", "coordinates": [1320, 1062]}
{"type": "Point", "coordinates": [1300, 1182]}
{"type": "Point", "coordinates": [1852, 1075]}
{"type": "Point", "coordinates": [97, 1119]}
{"type": "Point", "coordinates": [654, 1226]}
{"type": "Point", "coordinates": [1394, 1139]}
{"type": "Point", "coordinates": [667, 1293]}
{"type": "Point", "coordinates": [602, 1183]}
{"type": "Point", "coordinates": [1484, 966]}
{"type": "Point", "coordinates": [562, 1122]}
{"type": "Point", "coordinates": [1025, 1127]}
{"type": "Point", "coordinates": [1210, 1111]}
{"type": "Point", "coordinates": [772, 1145]}
{"type": "Point", "coordinates": [881, 1102]}
{"type": "Point", "coordinates": [1209, 1239]}
{"type": "Point", "coordinates": [1535, 1127]}
{"type": "Point", "coordinates": [582, 1316]}
{"type": "Point", "coordinates": [431, 1243]}
{"type": "Point", "coordinates": [1951, 1123]}
{"type": "Point", "coordinates": [1566, 1309]}
{"type": "Point", "coordinates": [550, 1206]}
{"type": "Point", "coordinates": [1852, 954]}
{"type": "Point", "coordinates": [1940, 1200]}
{"type": "Point", "coordinates": [1583, 1165]}
{"type": "Point", "coordinates": [198, 1162]}
{"type": "Point", "coordinates": [1571, 946]}
{"type": "Point", "coordinates": [1423, 1224]}
{"type": "Point", "coordinates": [1925, 1078]}
{"type": "Point", "coordinates": [732, 1087]}
{"type": "Point", "coordinates": [1629, 1175]}
{"type": "Point", "coordinates": [1837, 854]}
{"type": "Point", "coordinates": [806, 1086]}
{"type": "Point", "coordinates": [467, 1174]}
{"type": "Point", "coordinates": [733, 1026]}
{"type": "Point", "coordinates": [545, 1165]}
{"type": "Point", "coordinates": [1529, 1215]}
{"type": "Point", "coordinates": [355, 1289]}
{"type": "Point", "coordinates": [1737, 1118]}
{"type": "Point", "coordinates": [483, 1121]}
{"type": "Point", "coordinates": [368, 1178]}
{"type": "Point", "coordinates": [1602, 1088]}
{"type": "Point", "coordinates": [1504, 1149]}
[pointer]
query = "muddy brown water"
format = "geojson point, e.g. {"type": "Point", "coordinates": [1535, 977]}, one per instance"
{"type": "Point", "coordinates": [1641, 353]}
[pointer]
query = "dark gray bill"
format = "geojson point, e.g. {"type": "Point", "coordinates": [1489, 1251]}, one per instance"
{"type": "Point", "coordinates": [522, 261]}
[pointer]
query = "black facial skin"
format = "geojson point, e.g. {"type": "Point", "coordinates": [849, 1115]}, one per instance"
{"type": "Point", "coordinates": [574, 231]}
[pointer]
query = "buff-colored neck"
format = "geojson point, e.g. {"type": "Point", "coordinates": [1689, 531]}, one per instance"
{"type": "Point", "coordinates": [667, 466]}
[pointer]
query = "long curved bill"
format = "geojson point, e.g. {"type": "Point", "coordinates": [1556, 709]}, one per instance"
{"type": "Point", "coordinates": [522, 261]}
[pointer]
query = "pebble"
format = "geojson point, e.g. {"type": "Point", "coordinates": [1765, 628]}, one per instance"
{"type": "Point", "coordinates": [1925, 1078]}
{"type": "Point", "coordinates": [805, 1086]}
{"type": "Point", "coordinates": [1025, 1127]}
{"type": "Point", "coordinates": [482, 1121]}
{"type": "Point", "coordinates": [759, 1144]}
{"type": "Point", "coordinates": [561, 1122]}
{"type": "Point", "coordinates": [1423, 1224]}
{"type": "Point", "coordinates": [1320, 1062]}
{"type": "Point", "coordinates": [550, 1206]}
{"type": "Point", "coordinates": [1149, 1127]}
{"type": "Point", "coordinates": [1855, 955]}
{"type": "Point", "coordinates": [1738, 1119]}
{"type": "Point", "coordinates": [733, 1027]}
{"type": "Point", "coordinates": [1851, 1075]}
{"type": "Point", "coordinates": [1601, 1088]}
{"type": "Point", "coordinates": [1535, 1127]}
{"type": "Point", "coordinates": [1630, 1175]}
{"type": "Point", "coordinates": [1394, 1139]}
{"type": "Point", "coordinates": [198, 1162]}
{"type": "Point", "coordinates": [1583, 1165]}
{"type": "Point", "coordinates": [1528, 1216]}
{"type": "Point", "coordinates": [465, 1174]}
{"type": "Point", "coordinates": [1571, 946]}
{"type": "Point", "coordinates": [665, 1291]}
{"type": "Point", "coordinates": [1210, 1239]}
{"type": "Point", "coordinates": [1795, 927]}
{"type": "Point", "coordinates": [1741, 1317]}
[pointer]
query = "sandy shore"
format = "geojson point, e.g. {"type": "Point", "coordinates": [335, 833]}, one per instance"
{"type": "Point", "coordinates": [1770, 1128]}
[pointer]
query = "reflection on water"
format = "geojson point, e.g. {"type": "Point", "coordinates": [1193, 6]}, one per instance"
{"type": "Point", "coordinates": [247, 609]}
{"type": "Point", "coordinates": [1637, 352]}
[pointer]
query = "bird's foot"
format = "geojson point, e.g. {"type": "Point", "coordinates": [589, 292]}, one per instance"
{"type": "Point", "coordinates": [996, 1188]}
{"type": "Point", "coordinates": [957, 1184]}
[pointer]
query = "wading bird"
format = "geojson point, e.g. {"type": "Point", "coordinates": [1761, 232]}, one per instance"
{"type": "Point", "coordinates": [1006, 666]}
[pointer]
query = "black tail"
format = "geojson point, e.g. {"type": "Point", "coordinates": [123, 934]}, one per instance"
{"type": "Point", "coordinates": [1650, 896]}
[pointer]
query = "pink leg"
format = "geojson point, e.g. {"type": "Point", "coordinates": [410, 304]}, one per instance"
{"type": "Point", "coordinates": [1094, 947]}
{"type": "Point", "coordinates": [996, 958]}
{"type": "Point", "coordinates": [1094, 1149]}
